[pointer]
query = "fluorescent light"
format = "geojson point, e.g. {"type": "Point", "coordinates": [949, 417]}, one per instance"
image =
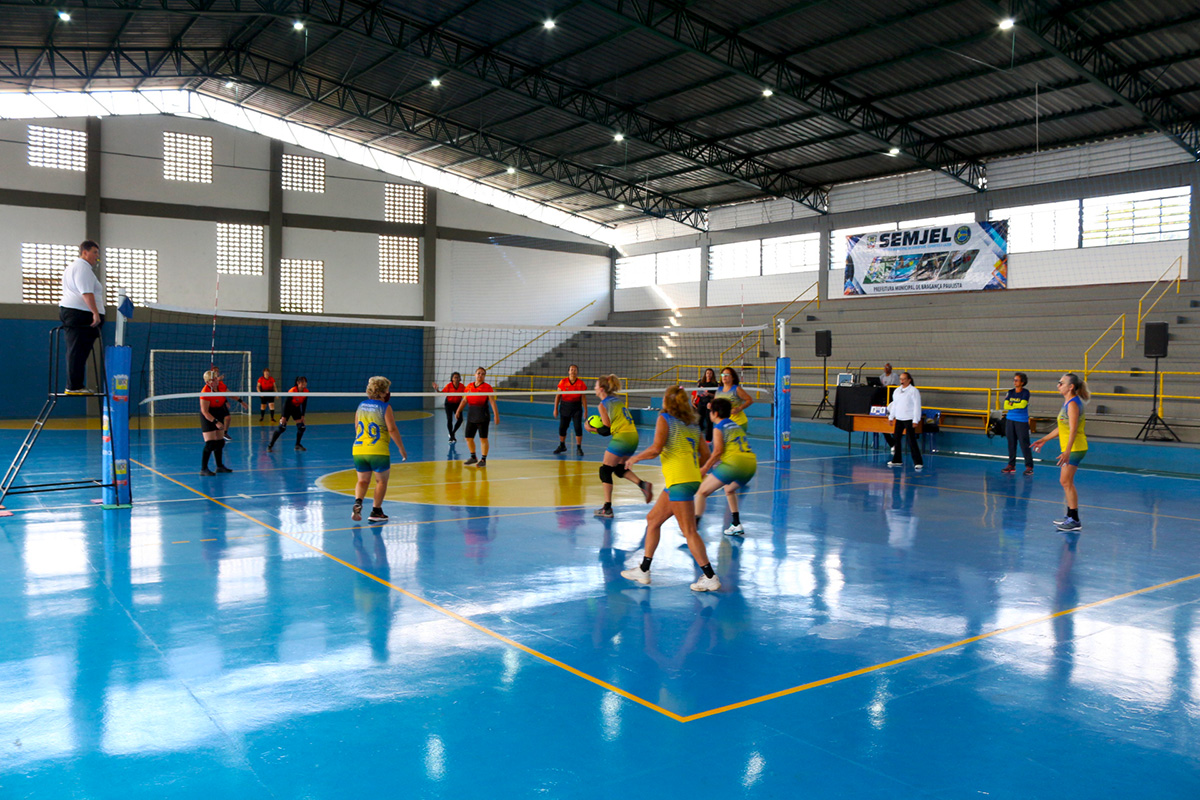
{"type": "Point", "coordinates": [620, 206]}
{"type": "Point", "coordinates": [767, 92]}
{"type": "Point", "coordinates": [297, 25]}
{"type": "Point", "coordinates": [895, 151]}
{"type": "Point", "coordinates": [1007, 23]}
{"type": "Point", "coordinates": [548, 24]}
{"type": "Point", "coordinates": [618, 137]}
{"type": "Point", "coordinates": [511, 170]}
{"type": "Point", "coordinates": [230, 84]}
{"type": "Point", "coordinates": [436, 82]}
{"type": "Point", "coordinates": [64, 16]}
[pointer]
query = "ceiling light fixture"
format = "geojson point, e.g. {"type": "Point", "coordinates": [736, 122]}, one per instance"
{"type": "Point", "coordinates": [1007, 23]}
{"type": "Point", "coordinates": [64, 16]}
{"type": "Point", "coordinates": [511, 170]}
{"type": "Point", "coordinates": [895, 151]}
{"type": "Point", "coordinates": [436, 82]}
{"type": "Point", "coordinates": [297, 25]}
{"type": "Point", "coordinates": [230, 84]}
{"type": "Point", "coordinates": [618, 137]}
{"type": "Point", "coordinates": [620, 206]}
{"type": "Point", "coordinates": [767, 92]}
{"type": "Point", "coordinates": [548, 24]}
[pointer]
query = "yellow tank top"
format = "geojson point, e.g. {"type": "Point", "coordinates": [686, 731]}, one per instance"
{"type": "Point", "coordinates": [737, 452]}
{"type": "Point", "coordinates": [680, 460]}
{"type": "Point", "coordinates": [1064, 428]}
{"type": "Point", "coordinates": [738, 417]}
{"type": "Point", "coordinates": [370, 429]}
{"type": "Point", "coordinates": [619, 420]}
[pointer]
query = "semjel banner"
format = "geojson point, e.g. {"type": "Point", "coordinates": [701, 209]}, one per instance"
{"type": "Point", "coordinates": [947, 258]}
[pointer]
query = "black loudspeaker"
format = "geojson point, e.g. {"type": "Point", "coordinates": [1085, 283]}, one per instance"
{"type": "Point", "coordinates": [1155, 339]}
{"type": "Point", "coordinates": [825, 344]}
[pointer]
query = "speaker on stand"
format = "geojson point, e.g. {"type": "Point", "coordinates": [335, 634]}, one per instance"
{"type": "Point", "coordinates": [1155, 338]}
{"type": "Point", "coordinates": [824, 347]}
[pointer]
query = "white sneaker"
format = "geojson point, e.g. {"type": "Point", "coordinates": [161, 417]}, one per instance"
{"type": "Point", "coordinates": [893, 464]}
{"type": "Point", "coordinates": [636, 575]}
{"type": "Point", "coordinates": [735, 530]}
{"type": "Point", "coordinates": [706, 584]}
{"type": "Point", "coordinates": [918, 467]}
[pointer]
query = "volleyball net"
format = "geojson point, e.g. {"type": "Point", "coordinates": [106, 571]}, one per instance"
{"type": "Point", "coordinates": [176, 346]}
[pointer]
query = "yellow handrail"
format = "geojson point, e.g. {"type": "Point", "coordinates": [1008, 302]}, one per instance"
{"type": "Point", "coordinates": [540, 335]}
{"type": "Point", "coordinates": [800, 310]}
{"type": "Point", "coordinates": [721, 357]}
{"type": "Point", "coordinates": [1120, 340]}
{"type": "Point", "coordinates": [1176, 281]}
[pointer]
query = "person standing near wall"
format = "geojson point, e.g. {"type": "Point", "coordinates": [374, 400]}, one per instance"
{"type": "Point", "coordinates": [905, 412]}
{"type": "Point", "coordinates": [1016, 424]}
{"type": "Point", "coordinates": [1072, 443]}
{"type": "Point", "coordinates": [570, 408]}
{"type": "Point", "coordinates": [79, 312]}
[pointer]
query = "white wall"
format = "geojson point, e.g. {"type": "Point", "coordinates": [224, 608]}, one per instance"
{"type": "Point", "coordinates": [480, 284]}
{"type": "Point", "coordinates": [187, 262]}
{"type": "Point", "coordinates": [45, 226]}
{"type": "Point", "coordinates": [1126, 263]}
{"type": "Point", "coordinates": [14, 162]}
{"type": "Point", "coordinates": [458, 212]}
{"type": "Point", "coordinates": [762, 289]}
{"type": "Point", "coordinates": [240, 163]}
{"type": "Point", "coordinates": [350, 190]}
{"type": "Point", "coordinates": [352, 272]}
{"type": "Point", "coordinates": [645, 298]}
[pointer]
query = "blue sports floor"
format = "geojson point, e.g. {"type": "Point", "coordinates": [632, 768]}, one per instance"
{"type": "Point", "coordinates": [880, 633]}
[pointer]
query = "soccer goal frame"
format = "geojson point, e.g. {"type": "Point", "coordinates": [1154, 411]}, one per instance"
{"type": "Point", "coordinates": [155, 377]}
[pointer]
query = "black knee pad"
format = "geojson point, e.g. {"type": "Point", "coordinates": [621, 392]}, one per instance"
{"type": "Point", "coordinates": [283, 425]}
{"type": "Point", "coordinates": [606, 473]}
{"type": "Point", "coordinates": [300, 426]}
{"type": "Point", "coordinates": [619, 470]}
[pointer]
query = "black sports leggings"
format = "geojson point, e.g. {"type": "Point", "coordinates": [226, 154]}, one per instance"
{"type": "Point", "coordinates": [452, 424]}
{"type": "Point", "coordinates": [568, 412]}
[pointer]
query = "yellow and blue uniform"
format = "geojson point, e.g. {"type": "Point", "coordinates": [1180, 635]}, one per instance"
{"type": "Point", "coordinates": [1016, 405]}
{"type": "Point", "coordinates": [1080, 446]}
{"type": "Point", "coordinates": [372, 443]}
{"type": "Point", "coordinates": [739, 417]}
{"type": "Point", "coordinates": [738, 462]}
{"type": "Point", "coordinates": [680, 459]}
{"type": "Point", "coordinates": [624, 440]}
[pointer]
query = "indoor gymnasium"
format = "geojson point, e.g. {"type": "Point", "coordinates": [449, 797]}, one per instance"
{"type": "Point", "coordinates": [485, 398]}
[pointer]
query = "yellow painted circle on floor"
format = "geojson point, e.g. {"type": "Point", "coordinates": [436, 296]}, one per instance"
{"type": "Point", "coordinates": [507, 483]}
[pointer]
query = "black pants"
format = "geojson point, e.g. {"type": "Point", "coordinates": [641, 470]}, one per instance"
{"type": "Point", "coordinates": [904, 426]}
{"type": "Point", "coordinates": [452, 424]}
{"type": "Point", "coordinates": [1018, 432]}
{"type": "Point", "coordinates": [570, 411]}
{"type": "Point", "coordinates": [81, 337]}
{"type": "Point", "coordinates": [706, 424]}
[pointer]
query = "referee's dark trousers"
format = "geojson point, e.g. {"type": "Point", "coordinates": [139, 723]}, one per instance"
{"type": "Point", "coordinates": [81, 336]}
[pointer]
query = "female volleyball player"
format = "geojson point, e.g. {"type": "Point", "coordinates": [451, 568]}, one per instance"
{"type": "Point", "coordinates": [294, 407]}
{"type": "Point", "coordinates": [451, 403]}
{"type": "Point", "coordinates": [476, 400]}
{"type": "Point", "coordinates": [214, 417]}
{"type": "Point", "coordinates": [374, 429]}
{"type": "Point", "coordinates": [1072, 442]}
{"type": "Point", "coordinates": [621, 446]}
{"type": "Point", "coordinates": [732, 464]}
{"type": "Point", "coordinates": [705, 391]}
{"type": "Point", "coordinates": [731, 389]}
{"type": "Point", "coordinates": [678, 441]}
{"type": "Point", "coordinates": [570, 408]}
{"type": "Point", "coordinates": [266, 384]}
{"type": "Point", "coordinates": [221, 387]}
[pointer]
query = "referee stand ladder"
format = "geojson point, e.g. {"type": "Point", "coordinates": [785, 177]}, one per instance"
{"type": "Point", "coordinates": [54, 392]}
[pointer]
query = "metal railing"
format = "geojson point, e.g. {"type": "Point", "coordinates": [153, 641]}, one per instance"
{"type": "Point", "coordinates": [757, 345]}
{"type": "Point", "coordinates": [540, 335]}
{"type": "Point", "coordinates": [1177, 265]}
{"type": "Point", "coordinates": [1120, 340]}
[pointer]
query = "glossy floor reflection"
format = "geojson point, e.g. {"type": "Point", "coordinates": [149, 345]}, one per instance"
{"type": "Point", "coordinates": [880, 633]}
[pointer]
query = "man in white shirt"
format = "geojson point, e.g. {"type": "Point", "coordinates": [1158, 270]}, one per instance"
{"type": "Point", "coordinates": [905, 412]}
{"type": "Point", "coordinates": [79, 311]}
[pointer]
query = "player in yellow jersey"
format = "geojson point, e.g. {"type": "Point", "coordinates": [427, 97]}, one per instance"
{"type": "Point", "coordinates": [374, 428]}
{"type": "Point", "coordinates": [732, 463]}
{"type": "Point", "coordinates": [619, 423]}
{"type": "Point", "coordinates": [1073, 443]}
{"type": "Point", "coordinates": [678, 442]}
{"type": "Point", "coordinates": [731, 389]}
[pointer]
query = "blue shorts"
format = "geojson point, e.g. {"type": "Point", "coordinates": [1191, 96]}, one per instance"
{"type": "Point", "coordinates": [1075, 457]}
{"type": "Point", "coordinates": [679, 492]}
{"type": "Point", "coordinates": [373, 463]}
{"type": "Point", "coordinates": [623, 445]}
{"type": "Point", "coordinates": [728, 473]}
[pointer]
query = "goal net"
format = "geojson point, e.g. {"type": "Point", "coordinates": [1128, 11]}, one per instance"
{"type": "Point", "coordinates": [170, 372]}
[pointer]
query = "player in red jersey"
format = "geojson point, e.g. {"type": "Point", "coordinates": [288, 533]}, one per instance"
{"type": "Point", "coordinates": [476, 400]}
{"type": "Point", "coordinates": [294, 407]}
{"type": "Point", "coordinates": [266, 384]}
{"type": "Point", "coordinates": [570, 407]}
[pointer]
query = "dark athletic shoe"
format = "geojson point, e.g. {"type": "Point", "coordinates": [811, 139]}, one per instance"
{"type": "Point", "coordinates": [482, 462]}
{"type": "Point", "coordinates": [471, 460]}
{"type": "Point", "coordinates": [206, 471]}
{"type": "Point", "coordinates": [604, 513]}
{"type": "Point", "coordinates": [301, 448]}
{"type": "Point", "coordinates": [562, 448]}
{"type": "Point", "coordinates": [356, 514]}
{"type": "Point", "coordinates": [224, 469]}
{"type": "Point", "coordinates": [1009, 470]}
{"type": "Point", "coordinates": [578, 451]}
{"type": "Point", "coordinates": [377, 515]}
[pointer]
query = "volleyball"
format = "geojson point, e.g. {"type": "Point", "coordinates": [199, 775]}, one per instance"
{"type": "Point", "coordinates": [596, 422]}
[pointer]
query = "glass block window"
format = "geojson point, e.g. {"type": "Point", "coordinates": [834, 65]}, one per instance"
{"type": "Point", "coordinates": [677, 266]}
{"type": "Point", "coordinates": [303, 173]}
{"type": "Point", "coordinates": [403, 203]}
{"type": "Point", "coordinates": [57, 148]}
{"type": "Point", "coordinates": [187, 157]}
{"type": "Point", "coordinates": [785, 254]}
{"type": "Point", "coordinates": [42, 267]}
{"type": "Point", "coordinates": [239, 249]}
{"type": "Point", "coordinates": [302, 286]}
{"type": "Point", "coordinates": [1140, 217]}
{"type": "Point", "coordinates": [399, 260]}
{"type": "Point", "coordinates": [1042, 227]}
{"type": "Point", "coordinates": [736, 260]}
{"type": "Point", "coordinates": [134, 271]}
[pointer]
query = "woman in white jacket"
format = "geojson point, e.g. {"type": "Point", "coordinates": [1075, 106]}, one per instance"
{"type": "Point", "coordinates": [905, 412]}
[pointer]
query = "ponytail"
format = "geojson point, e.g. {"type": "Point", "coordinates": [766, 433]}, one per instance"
{"type": "Point", "coordinates": [1080, 386]}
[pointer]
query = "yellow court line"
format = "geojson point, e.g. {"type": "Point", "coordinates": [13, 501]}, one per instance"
{"type": "Point", "coordinates": [498, 636]}
{"type": "Point", "coordinates": [933, 651]}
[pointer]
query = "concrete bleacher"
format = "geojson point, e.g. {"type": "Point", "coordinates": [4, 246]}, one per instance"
{"type": "Point", "coordinates": [938, 336]}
